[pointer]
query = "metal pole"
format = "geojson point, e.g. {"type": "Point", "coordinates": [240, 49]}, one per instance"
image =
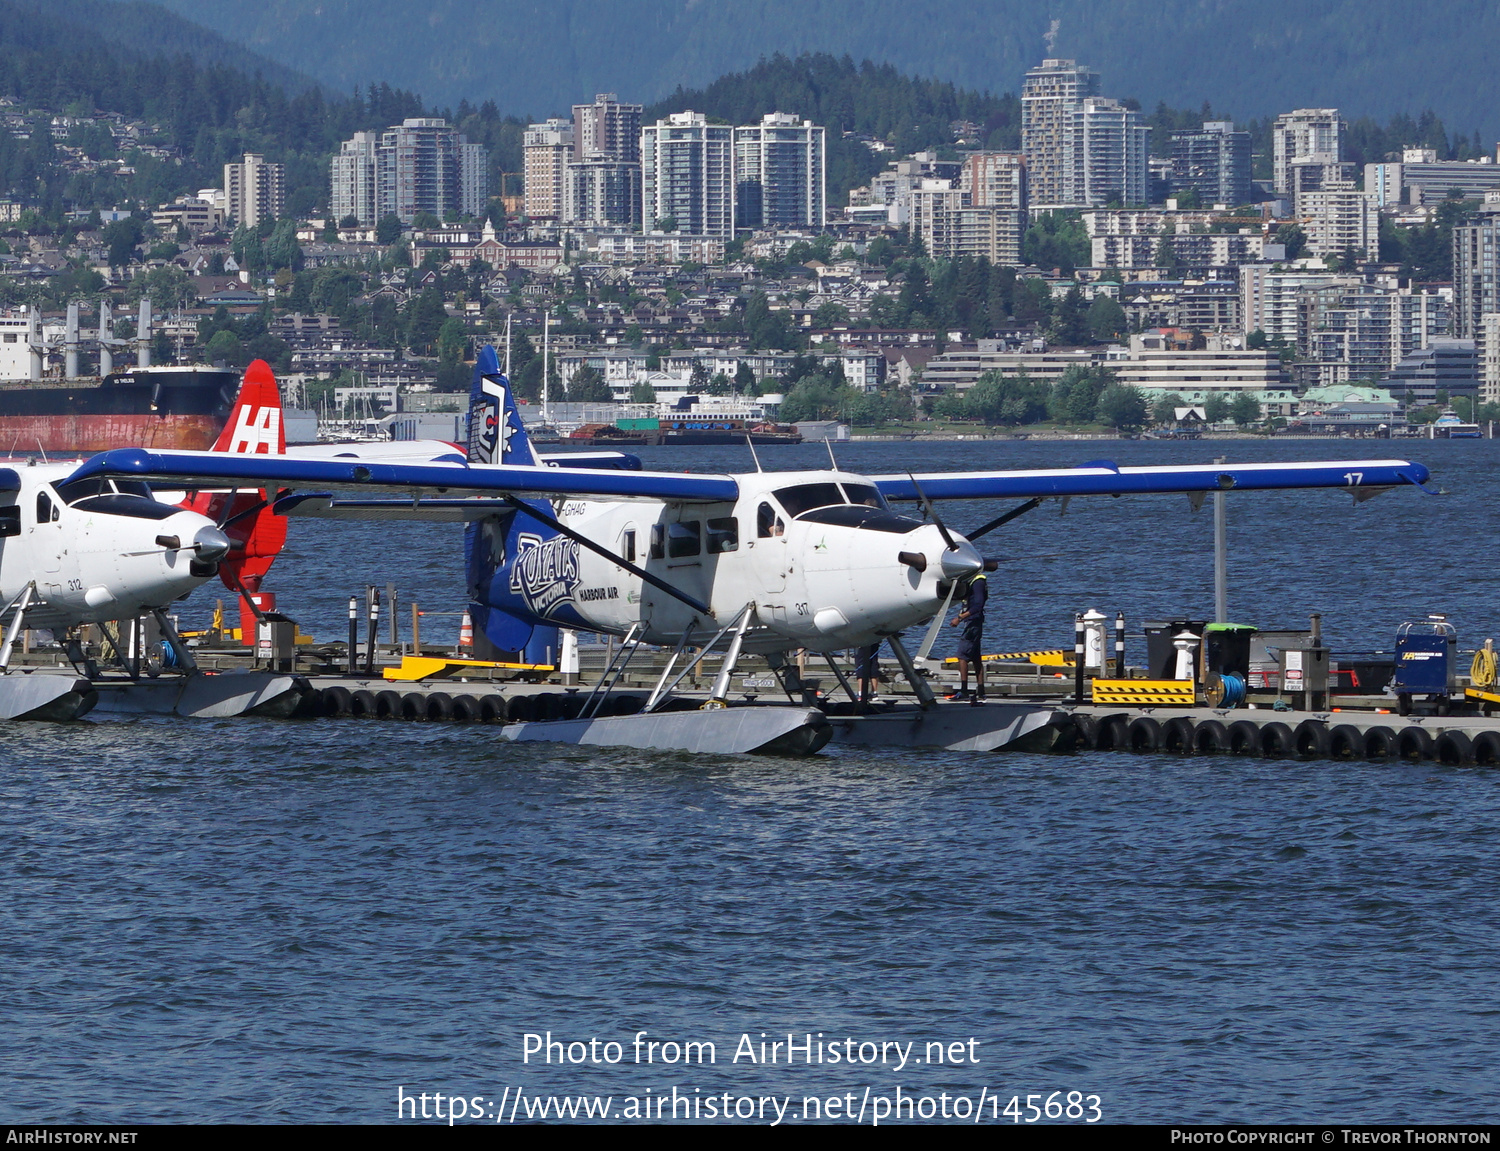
{"type": "Point", "coordinates": [1221, 557]}
{"type": "Point", "coordinates": [353, 634]}
{"type": "Point", "coordinates": [390, 598]}
{"type": "Point", "coordinates": [372, 629]}
{"type": "Point", "coordinates": [1078, 641]}
{"type": "Point", "coordinates": [1119, 645]}
{"type": "Point", "coordinates": [416, 629]}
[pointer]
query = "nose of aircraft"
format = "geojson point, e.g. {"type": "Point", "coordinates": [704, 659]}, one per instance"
{"type": "Point", "coordinates": [211, 545]}
{"type": "Point", "coordinates": [961, 562]}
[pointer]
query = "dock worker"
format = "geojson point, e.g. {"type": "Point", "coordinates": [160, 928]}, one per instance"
{"type": "Point", "coordinates": [971, 641]}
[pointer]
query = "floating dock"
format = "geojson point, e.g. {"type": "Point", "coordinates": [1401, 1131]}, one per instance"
{"type": "Point", "coordinates": [1030, 706]}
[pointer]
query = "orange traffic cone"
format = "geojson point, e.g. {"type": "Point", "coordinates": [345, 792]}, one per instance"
{"type": "Point", "coordinates": [466, 634]}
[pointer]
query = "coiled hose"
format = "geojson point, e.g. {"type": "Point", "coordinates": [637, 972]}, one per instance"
{"type": "Point", "coordinates": [1482, 673]}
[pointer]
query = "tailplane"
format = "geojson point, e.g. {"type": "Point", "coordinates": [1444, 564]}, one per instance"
{"type": "Point", "coordinates": [496, 433]}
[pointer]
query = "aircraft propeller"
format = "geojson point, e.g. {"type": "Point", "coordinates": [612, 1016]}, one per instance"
{"type": "Point", "coordinates": [210, 545]}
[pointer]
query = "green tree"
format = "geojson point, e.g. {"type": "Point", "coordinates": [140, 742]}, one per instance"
{"type": "Point", "coordinates": [1164, 410]}
{"type": "Point", "coordinates": [1070, 323]}
{"type": "Point", "coordinates": [744, 380]}
{"type": "Point", "coordinates": [1245, 410]}
{"type": "Point", "coordinates": [1010, 400]}
{"type": "Point", "coordinates": [1122, 407]}
{"type": "Point", "coordinates": [1106, 318]}
{"type": "Point", "coordinates": [1216, 407]}
{"type": "Point", "coordinates": [225, 348]}
{"type": "Point", "coordinates": [643, 393]}
{"type": "Point", "coordinates": [451, 340]}
{"type": "Point", "coordinates": [388, 228]}
{"type": "Point", "coordinates": [588, 385]}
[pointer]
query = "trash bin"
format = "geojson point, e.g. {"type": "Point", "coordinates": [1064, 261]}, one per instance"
{"type": "Point", "coordinates": [1226, 649]}
{"type": "Point", "coordinates": [1161, 656]}
{"type": "Point", "coordinates": [275, 641]}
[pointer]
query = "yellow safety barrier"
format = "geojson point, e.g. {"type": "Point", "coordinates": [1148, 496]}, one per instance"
{"type": "Point", "coordinates": [1482, 696]}
{"type": "Point", "coordinates": [1156, 692]}
{"type": "Point", "coordinates": [1056, 657]}
{"type": "Point", "coordinates": [414, 667]}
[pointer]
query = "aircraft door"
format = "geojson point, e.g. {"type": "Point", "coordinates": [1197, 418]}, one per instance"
{"type": "Point", "coordinates": [769, 557]}
{"type": "Point", "coordinates": [47, 532]}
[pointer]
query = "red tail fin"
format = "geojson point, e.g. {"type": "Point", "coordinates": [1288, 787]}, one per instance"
{"type": "Point", "coordinates": [255, 426]}
{"type": "Point", "coordinates": [257, 535]}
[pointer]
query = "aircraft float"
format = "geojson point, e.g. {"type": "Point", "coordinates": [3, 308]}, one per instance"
{"type": "Point", "coordinates": [762, 561]}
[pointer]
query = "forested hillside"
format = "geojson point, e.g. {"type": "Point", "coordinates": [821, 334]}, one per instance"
{"type": "Point", "coordinates": [1252, 57]}
{"type": "Point", "coordinates": [868, 99]}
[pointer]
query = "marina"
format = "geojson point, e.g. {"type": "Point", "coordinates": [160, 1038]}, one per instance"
{"type": "Point", "coordinates": [268, 893]}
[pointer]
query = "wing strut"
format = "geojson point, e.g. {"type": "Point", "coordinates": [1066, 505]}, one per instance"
{"type": "Point", "coordinates": [1001, 521]}
{"type": "Point", "coordinates": [620, 561]}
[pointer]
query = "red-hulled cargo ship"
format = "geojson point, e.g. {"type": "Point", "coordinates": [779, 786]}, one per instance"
{"type": "Point", "coordinates": [171, 406]}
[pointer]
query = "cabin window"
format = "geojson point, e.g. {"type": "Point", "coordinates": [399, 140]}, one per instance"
{"type": "Point", "coordinates": [11, 337]}
{"type": "Point", "coordinates": [10, 521]}
{"type": "Point", "coordinates": [805, 497]}
{"type": "Point", "coordinates": [765, 521]}
{"type": "Point", "coordinates": [45, 512]}
{"type": "Point", "coordinates": [723, 535]}
{"type": "Point", "coordinates": [682, 540]}
{"type": "Point", "coordinates": [630, 546]}
{"type": "Point", "coordinates": [658, 541]}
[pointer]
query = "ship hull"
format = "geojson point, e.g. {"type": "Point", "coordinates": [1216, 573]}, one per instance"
{"type": "Point", "coordinates": [181, 408]}
{"type": "Point", "coordinates": [79, 433]}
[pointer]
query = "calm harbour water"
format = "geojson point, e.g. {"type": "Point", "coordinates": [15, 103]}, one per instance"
{"type": "Point", "coordinates": [270, 922]}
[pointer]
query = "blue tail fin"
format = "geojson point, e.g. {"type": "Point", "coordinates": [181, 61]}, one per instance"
{"type": "Point", "coordinates": [496, 433]}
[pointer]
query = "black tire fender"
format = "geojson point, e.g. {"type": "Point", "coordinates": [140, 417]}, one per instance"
{"type": "Point", "coordinates": [362, 704]}
{"type": "Point", "coordinates": [520, 709]}
{"type": "Point", "coordinates": [465, 709]}
{"type": "Point", "coordinates": [388, 704]}
{"type": "Point", "coordinates": [1210, 738]}
{"type": "Point", "coordinates": [1144, 734]}
{"type": "Point", "coordinates": [440, 707]}
{"type": "Point", "coordinates": [1244, 738]}
{"type": "Point", "coordinates": [1311, 739]}
{"type": "Point", "coordinates": [1380, 743]}
{"type": "Point", "coordinates": [1277, 741]}
{"type": "Point", "coordinates": [1177, 735]}
{"type": "Point", "coordinates": [336, 702]}
{"type": "Point", "coordinates": [1454, 748]}
{"type": "Point", "coordinates": [492, 709]}
{"type": "Point", "coordinates": [1113, 733]}
{"type": "Point", "coordinates": [1414, 743]}
{"type": "Point", "coordinates": [414, 705]}
{"type": "Point", "coordinates": [1085, 731]}
{"type": "Point", "coordinates": [1487, 749]}
{"type": "Point", "coordinates": [1345, 742]}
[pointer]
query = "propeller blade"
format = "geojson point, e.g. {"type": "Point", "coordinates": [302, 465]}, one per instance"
{"type": "Point", "coordinates": [932, 511]}
{"type": "Point", "coordinates": [228, 504]}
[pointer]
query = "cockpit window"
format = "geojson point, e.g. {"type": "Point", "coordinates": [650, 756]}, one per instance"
{"type": "Point", "coordinates": [77, 490]}
{"type": "Point", "coordinates": [863, 516]}
{"type": "Point", "coordinates": [867, 494]}
{"type": "Point", "coordinates": [805, 497]}
{"type": "Point", "coordinates": [115, 504]}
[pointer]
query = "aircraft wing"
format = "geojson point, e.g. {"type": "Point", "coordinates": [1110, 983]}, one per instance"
{"type": "Point", "coordinates": [399, 476]}
{"type": "Point", "coordinates": [326, 506]}
{"type": "Point", "coordinates": [1102, 478]}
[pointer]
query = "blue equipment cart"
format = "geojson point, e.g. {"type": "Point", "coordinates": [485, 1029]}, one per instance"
{"type": "Point", "coordinates": [1426, 662]}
